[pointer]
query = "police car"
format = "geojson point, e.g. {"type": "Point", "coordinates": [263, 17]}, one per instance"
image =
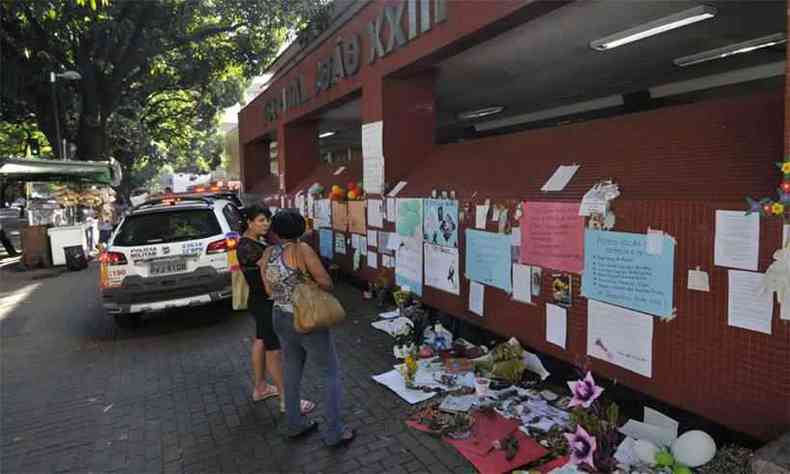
{"type": "Point", "coordinates": [173, 251]}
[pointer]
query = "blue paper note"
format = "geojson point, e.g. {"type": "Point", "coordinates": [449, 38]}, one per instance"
{"type": "Point", "coordinates": [440, 222]}
{"type": "Point", "coordinates": [326, 243]}
{"type": "Point", "coordinates": [488, 258]}
{"type": "Point", "coordinates": [618, 270]}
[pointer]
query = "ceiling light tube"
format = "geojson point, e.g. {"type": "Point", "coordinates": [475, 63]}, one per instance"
{"type": "Point", "coordinates": [662, 25]}
{"type": "Point", "coordinates": [326, 134]}
{"type": "Point", "coordinates": [480, 113]}
{"type": "Point", "coordinates": [732, 50]}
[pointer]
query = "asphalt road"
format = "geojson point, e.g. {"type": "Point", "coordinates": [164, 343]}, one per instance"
{"type": "Point", "coordinates": [173, 395]}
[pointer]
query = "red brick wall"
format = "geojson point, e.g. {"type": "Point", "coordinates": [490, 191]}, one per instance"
{"type": "Point", "coordinates": [676, 166]}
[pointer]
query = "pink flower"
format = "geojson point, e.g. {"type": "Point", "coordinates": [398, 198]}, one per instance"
{"type": "Point", "coordinates": [584, 391]}
{"type": "Point", "coordinates": [581, 446]}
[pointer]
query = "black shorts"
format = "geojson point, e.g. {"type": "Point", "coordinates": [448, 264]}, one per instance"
{"type": "Point", "coordinates": [264, 329]}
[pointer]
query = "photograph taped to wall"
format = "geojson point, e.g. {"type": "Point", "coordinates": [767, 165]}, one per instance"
{"type": "Point", "coordinates": [440, 222]}
{"type": "Point", "coordinates": [562, 289]}
{"type": "Point", "coordinates": [441, 268]}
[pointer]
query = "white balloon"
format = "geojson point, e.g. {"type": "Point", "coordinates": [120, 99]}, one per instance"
{"type": "Point", "coordinates": [694, 448]}
{"type": "Point", "coordinates": [646, 451]}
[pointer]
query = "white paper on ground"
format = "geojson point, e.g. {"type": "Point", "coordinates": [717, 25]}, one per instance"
{"type": "Point", "coordinates": [390, 314]}
{"type": "Point", "coordinates": [398, 188]}
{"type": "Point", "coordinates": [655, 242]}
{"type": "Point", "coordinates": [481, 217]}
{"type": "Point", "coordinates": [556, 324]}
{"type": "Point", "coordinates": [459, 404]}
{"type": "Point", "coordinates": [749, 306]}
{"type": "Point", "coordinates": [340, 170]}
{"type": "Point", "coordinates": [373, 238]}
{"type": "Point", "coordinates": [656, 418]}
{"type": "Point", "coordinates": [533, 363]}
{"type": "Point", "coordinates": [737, 242]}
{"type": "Point", "coordinates": [620, 336]}
{"type": "Point", "coordinates": [657, 435]}
{"type": "Point", "coordinates": [476, 295]}
{"type": "Point", "coordinates": [375, 213]}
{"type": "Point", "coordinates": [392, 326]}
{"type": "Point", "coordinates": [394, 381]}
{"type": "Point", "coordinates": [373, 260]}
{"type": "Point", "coordinates": [560, 178]}
{"type": "Point", "coordinates": [625, 453]}
{"type": "Point", "coordinates": [698, 280]}
{"type": "Point", "coordinates": [522, 283]}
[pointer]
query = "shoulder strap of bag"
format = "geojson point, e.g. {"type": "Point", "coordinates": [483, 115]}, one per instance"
{"type": "Point", "coordinates": [301, 266]}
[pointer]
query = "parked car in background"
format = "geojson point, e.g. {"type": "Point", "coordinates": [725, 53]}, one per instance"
{"type": "Point", "coordinates": [169, 252]}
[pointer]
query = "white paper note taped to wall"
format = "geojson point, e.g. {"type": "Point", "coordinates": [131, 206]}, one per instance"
{"type": "Point", "coordinates": [556, 325]}
{"type": "Point", "coordinates": [398, 188]}
{"type": "Point", "coordinates": [749, 306]}
{"type": "Point", "coordinates": [373, 260]}
{"type": "Point", "coordinates": [340, 170]}
{"type": "Point", "coordinates": [375, 213]}
{"type": "Point", "coordinates": [476, 295]}
{"type": "Point", "coordinates": [620, 336]}
{"type": "Point", "coordinates": [392, 209]}
{"type": "Point", "coordinates": [655, 242]}
{"type": "Point", "coordinates": [522, 283]}
{"type": "Point", "coordinates": [560, 178]}
{"type": "Point", "coordinates": [481, 217]}
{"type": "Point", "coordinates": [699, 280]}
{"type": "Point", "coordinates": [737, 241]}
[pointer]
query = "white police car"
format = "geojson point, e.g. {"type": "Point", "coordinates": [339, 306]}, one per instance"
{"type": "Point", "coordinates": [171, 252]}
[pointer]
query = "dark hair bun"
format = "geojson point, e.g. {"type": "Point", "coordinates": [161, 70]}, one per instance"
{"type": "Point", "coordinates": [288, 225]}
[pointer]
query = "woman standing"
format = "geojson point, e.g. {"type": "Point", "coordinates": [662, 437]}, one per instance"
{"type": "Point", "coordinates": [266, 348]}
{"type": "Point", "coordinates": [284, 268]}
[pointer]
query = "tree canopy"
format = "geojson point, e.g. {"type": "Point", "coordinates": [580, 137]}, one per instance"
{"type": "Point", "coordinates": [154, 73]}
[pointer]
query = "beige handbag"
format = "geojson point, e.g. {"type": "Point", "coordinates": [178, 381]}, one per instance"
{"type": "Point", "coordinates": [314, 308]}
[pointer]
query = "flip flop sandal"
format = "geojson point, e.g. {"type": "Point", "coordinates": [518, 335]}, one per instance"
{"type": "Point", "coordinates": [271, 392]}
{"type": "Point", "coordinates": [306, 406]}
{"type": "Point", "coordinates": [345, 439]}
{"type": "Point", "coordinates": [309, 428]}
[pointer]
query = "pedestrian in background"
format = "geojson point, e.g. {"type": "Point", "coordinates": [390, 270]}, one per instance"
{"type": "Point", "coordinates": [285, 266]}
{"type": "Point", "coordinates": [266, 346]}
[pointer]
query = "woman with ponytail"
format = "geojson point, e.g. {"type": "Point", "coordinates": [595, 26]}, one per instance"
{"type": "Point", "coordinates": [266, 352]}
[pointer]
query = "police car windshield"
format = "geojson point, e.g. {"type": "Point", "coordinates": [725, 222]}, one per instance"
{"type": "Point", "coordinates": [165, 227]}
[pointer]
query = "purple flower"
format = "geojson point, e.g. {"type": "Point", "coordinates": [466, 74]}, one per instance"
{"type": "Point", "coordinates": [581, 446]}
{"type": "Point", "coordinates": [584, 391]}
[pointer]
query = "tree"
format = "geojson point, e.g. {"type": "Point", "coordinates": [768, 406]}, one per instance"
{"type": "Point", "coordinates": [155, 51]}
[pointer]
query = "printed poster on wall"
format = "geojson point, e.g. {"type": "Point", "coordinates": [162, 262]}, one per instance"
{"type": "Point", "coordinates": [621, 337]}
{"type": "Point", "coordinates": [408, 265]}
{"type": "Point", "coordinates": [356, 217]}
{"type": "Point", "coordinates": [340, 243]}
{"type": "Point", "coordinates": [440, 222]}
{"type": "Point", "coordinates": [326, 243]}
{"type": "Point", "coordinates": [552, 236]}
{"type": "Point", "coordinates": [373, 157]}
{"type": "Point", "coordinates": [375, 213]}
{"type": "Point", "coordinates": [339, 216]}
{"type": "Point", "coordinates": [488, 258]}
{"type": "Point", "coordinates": [409, 220]}
{"type": "Point", "coordinates": [618, 270]}
{"type": "Point", "coordinates": [323, 212]}
{"type": "Point", "coordinates": [441, 268]}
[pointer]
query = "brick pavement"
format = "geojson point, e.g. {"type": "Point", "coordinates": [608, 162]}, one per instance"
{"type": "Point", "coordinates": [173, 396]}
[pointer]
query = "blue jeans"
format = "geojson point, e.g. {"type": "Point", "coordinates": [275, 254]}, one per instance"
{"type": "Point", "coordinates": [319, 348]}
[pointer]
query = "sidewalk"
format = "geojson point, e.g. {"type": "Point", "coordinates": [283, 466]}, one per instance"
{"type": "Point", "coordinates": [81, 395]}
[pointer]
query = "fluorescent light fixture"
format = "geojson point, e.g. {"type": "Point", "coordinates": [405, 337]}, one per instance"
{"type": "Point", "coordinates": [326, 134]}
{"type": "Point", "coordinates": [580, 107]}
{"type": "Point", "coordinates": [480, 113]}
{"type": "Point", "coordinates": [732, 50]}
{"type": "Point", "coordinates": [655, 27]}
{"type": "Point", "coordinates": [737, 76]}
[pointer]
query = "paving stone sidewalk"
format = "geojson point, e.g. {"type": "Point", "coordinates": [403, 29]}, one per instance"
{"type": "Point", "coordinates": [173, 396]}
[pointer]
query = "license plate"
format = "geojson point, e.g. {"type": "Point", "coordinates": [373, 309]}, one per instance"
{"type": "Point", "coordinates": [163, 268]}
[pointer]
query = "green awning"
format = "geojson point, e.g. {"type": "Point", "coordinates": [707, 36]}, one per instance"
{"type": "Point", "coordinates": [89, 172]}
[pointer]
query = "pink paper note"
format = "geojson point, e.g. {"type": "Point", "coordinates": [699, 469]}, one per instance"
{"type": "Point", "coordinates": [552, 236]}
